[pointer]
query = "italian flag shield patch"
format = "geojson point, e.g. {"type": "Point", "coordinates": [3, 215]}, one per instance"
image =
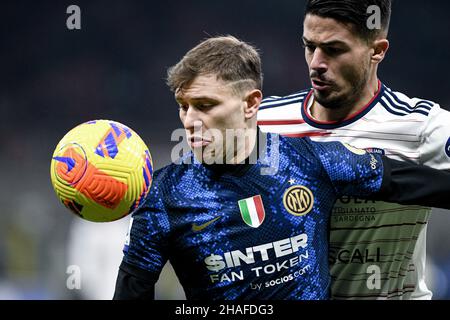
{"type": "Point", "coordinates": [252, 211]}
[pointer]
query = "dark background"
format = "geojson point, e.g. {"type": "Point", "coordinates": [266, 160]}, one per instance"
{"type": "Point", "coordinates": [52, 79]}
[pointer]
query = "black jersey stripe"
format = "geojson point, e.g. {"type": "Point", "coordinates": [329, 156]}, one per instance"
{"type": "Point", "coordinates": [280, 98]}
{"type": "Point", "coordinates": [389, 294]}
{"type": "Point", "coordinates": [392, 210]}
{"type": "Point", "coordinates": [379, 132]}
{"type": "Point", "coordinates": [399, 110]}
{"type": "Point", "coordinates": [364, 137]}
{"type": "Point", "coordinates": [381, 226]}
{"type": "Point", "coordinates": [375, 241]}
{"type": "Point", "coordinates": [397, 102]}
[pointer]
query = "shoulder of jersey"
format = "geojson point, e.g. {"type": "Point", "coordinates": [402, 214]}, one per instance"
{"type": "Point", "coordinates": [287, 107]}
{"type": "Point", "coordinates": [394, 102]}
{"type": "Point", "coordinates": [172, 171]}
{"type": "Point", "coordinates": [400, 104]}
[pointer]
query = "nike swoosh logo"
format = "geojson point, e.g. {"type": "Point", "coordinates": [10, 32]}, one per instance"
{"type": "Point", "coordinates": [197, 228]}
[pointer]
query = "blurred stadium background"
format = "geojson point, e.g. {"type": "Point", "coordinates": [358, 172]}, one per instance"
{"type": "Point", "coordinates": [113, 68]}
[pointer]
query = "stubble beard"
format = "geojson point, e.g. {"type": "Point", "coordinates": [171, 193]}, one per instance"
{"type": "Point", "coordinates": [345, 99]}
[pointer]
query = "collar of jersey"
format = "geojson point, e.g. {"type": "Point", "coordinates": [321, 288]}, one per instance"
{"type": "Point", "coordinates": [236, 169]}
{"type": "Point", "coordinates": [350, 119]}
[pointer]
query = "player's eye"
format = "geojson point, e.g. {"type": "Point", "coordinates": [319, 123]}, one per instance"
{"type": "Point", "coordinates": [332, 51]}
{"type": "Point", "coordinates": [309, 47]}
{"type": "Point", "coordinates": [183, 107]}
{"type": "Point", "coordinates": [204, 106]}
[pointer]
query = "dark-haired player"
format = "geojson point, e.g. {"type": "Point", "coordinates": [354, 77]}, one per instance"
{"type": "Point", "coordinates": [377, 250]}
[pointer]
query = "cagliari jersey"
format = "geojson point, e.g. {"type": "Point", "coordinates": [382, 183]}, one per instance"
{"type": "Point", "coordinates": [376, 250]}
{"type": "Point", "coordinates": [239, 232]}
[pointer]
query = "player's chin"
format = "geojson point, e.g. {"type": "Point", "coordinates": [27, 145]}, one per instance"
{"type": "Point", "coordinates": [325, 96]}
{"type": "Point", "coordinates": [331, 101]}
{"type": "Point", "coordinates": [206, 156]}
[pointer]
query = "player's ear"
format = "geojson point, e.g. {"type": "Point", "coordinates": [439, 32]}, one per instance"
{"type": "Point", "coordinates": [380, 47]}
{"type": "Point", "coordinates": [252, 101]}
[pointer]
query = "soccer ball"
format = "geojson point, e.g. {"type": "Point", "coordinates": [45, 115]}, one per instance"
{"type": "Point", "coordinates": [101, 170]}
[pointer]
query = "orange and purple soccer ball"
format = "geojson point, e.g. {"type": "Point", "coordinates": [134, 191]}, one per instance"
{"type": "Point", "coordinates": [101, 170]}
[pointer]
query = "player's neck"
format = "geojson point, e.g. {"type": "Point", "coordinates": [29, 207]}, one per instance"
{"type": "Point", "coordinates": [242, 158]}
{"type": "Point", "coordinates": [245, 144]}
{"type": "Point", "coordinates": [321, 113]}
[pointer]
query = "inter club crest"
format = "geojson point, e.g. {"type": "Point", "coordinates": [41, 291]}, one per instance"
{"type": "Point", "coordinates": [298, 200]}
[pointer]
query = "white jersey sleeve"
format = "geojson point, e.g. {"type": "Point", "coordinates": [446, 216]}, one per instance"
{"type": "Point", "coordinates": [435, 147]}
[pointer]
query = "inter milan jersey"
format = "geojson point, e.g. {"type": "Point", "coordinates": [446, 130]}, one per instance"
{"type": "Point", "coordinates": [250, 231]}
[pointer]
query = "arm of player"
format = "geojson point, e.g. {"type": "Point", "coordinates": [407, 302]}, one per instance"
{"type": "Point", "coordinates": [134, 283]}
{"type": "Point", "coordinates": [145, 251]}
{"type": "Point", "coordinates": [434, 146]}
{"type": "Point", "coordinates": [354, 172]}
{"type": "Point", "coordinates": [408, 183]}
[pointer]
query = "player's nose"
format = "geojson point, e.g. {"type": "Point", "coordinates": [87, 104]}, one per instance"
{"type": "Point", "coordinates": [319, 62]}
{"type": "Point", "coordinates": [191, 117]}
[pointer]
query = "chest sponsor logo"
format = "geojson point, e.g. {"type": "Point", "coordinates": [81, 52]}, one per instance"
{"type": "Point", "coordinates": [358, 256]}
{"type": "Point", "coordinates": [447, 148]}
{"type": "Point", "coordinates": [252, 211]}
{"type": "Point", "coordinates": [298, 200]}
{"type": "Point", "coordinates": [266, 265]}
